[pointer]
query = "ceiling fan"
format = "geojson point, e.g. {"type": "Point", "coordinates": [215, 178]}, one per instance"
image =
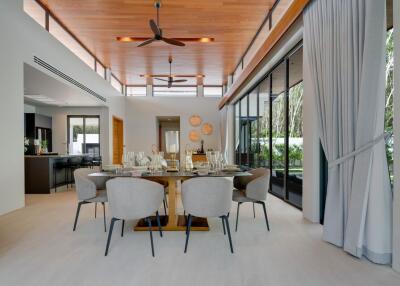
{"type": "Point", "coordinates": [158, 35]}
{"type": "Point", "coordinates": [170, 76]}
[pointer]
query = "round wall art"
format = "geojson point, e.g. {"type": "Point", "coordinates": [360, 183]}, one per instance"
{"type": "Point", "coordinates": [194, 136]}
{"type": "Point", "coordinates": [195, 120]}
{"type": "Point", "coordinates": [207, 129]}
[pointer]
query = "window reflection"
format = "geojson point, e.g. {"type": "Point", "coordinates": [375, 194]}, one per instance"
{"type": "Point", "coordinates": [270, 127]}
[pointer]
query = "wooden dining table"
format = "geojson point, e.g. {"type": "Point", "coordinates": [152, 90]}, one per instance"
{"type": "Point", "coordinates": [172, 221]}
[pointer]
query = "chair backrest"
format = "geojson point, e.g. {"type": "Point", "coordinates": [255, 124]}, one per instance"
{"type": "Point", "coordinates": [133, 198]}
{"type": "Point", "coordinates": [85, 187]}
{"type": "Point", "coordinates": [257, 187]}
{"type": "Point", "coordinates": [207, 196]}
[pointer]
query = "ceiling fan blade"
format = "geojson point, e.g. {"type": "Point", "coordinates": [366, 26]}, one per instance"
{"type": "Point", "coordinates": [154, 28]}
{"type": "Point", "coordinates": [179, 80]}
{"type": "Point", "coordinates": [161, 79]}
{"type": "Point", "coordinates": [146, 42]}
{"type": "Point", "coordinates": [173, 42]}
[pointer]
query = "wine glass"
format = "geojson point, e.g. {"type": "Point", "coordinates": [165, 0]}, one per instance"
{"type": "Point", "coordinates": [131, 158]}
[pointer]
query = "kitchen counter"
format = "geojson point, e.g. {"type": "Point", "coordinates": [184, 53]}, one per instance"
{"type": "Point", "coordinates": [55, 156]}
{"type": "Point", "coordinates": [41, 177]}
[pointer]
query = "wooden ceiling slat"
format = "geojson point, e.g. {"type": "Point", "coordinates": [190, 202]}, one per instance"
{"type": "Point", "coordinates": [231, 23]}
{"type": "Point", "coordinates": [288, 18]}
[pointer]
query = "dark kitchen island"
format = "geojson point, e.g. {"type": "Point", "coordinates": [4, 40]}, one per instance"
{"type": "Point", "coordinates": [41, 177]}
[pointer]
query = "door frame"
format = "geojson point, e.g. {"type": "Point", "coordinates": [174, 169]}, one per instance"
{"type": "Point", "coordinates": [120, 121]}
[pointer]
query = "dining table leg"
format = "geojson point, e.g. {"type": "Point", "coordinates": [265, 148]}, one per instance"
{"type": "Point", "coordinates": [173, 221]}
{"type": "Point", "coordinates": [172, 218]}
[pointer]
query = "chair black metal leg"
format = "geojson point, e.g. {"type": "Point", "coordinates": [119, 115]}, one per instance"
{"type": "Point", "coordinates": [165, 208]}
{"type": "Point", "coordinates": [55, 180]}
{"type": "Point", "coordinates": [122, 228]}
{"type": "Point", "coordinates": [237, 215]}
{"type": "Point", "coordinates": [104, 216]}
{"type": "Point", "coordinates": [159, 223]}
{"type": "Point", "coordinates": [223, 224]}
{"type": "Point", "coordinates": [254, 210]}
{"type": "Point", "coordinates": [151, 235]}
{"type": "Point", "coordinates": [188, 226]}
{"type": "Point", "coordinates": [113, 220]}
{"type": "Point", "coordinates": [228, 231]}
{"type": "Point", "coordinates": [66, 177]}
{"type": "Point", "coordinates": [265, 214]}
{"type": "Point", "coordinates": [95, 210]}
{"type": "Point", "coordinates": [77, 214]}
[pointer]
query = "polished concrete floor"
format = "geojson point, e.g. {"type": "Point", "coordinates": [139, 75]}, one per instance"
{"type": "Point", "coordinates": [38, 247]}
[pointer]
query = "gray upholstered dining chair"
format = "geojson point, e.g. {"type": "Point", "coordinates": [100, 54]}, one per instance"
{"type": "Point", "coordinates": [252, 189]}
{"type": "Point", "coordinates": [133, 198]}
{"type": "Point", "coordinates": [207, 197]}
{"type": "Point", "coordinates": [89, 190]}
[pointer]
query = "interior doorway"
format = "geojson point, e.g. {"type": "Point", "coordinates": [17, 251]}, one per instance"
{"type": "Point", "coordinates": [164, 124]}
{"type": "Point", "coordinates": [118, 140]}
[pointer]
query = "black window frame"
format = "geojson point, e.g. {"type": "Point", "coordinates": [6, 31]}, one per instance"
{"type": "Point", "coordinates": [268, 76]}
{"type": "Point", "coordinates": [84, 151]}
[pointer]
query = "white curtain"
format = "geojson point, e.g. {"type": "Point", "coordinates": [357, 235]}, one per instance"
{"type": "Point", "coordinates": [224, 131]}
{"type": "Point", "coordinates": [344, 52]}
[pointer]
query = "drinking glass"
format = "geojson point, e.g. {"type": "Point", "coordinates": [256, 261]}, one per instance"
{"type": "Point", "coordinates": [131, 158]}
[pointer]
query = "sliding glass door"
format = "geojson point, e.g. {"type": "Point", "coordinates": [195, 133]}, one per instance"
{"type": "Point", "coordinates": [295, 129]}
{"type": "Point", "coordinates": [244, 132]}
{"type": "Point", "coordinates": [269, 127]}
{"type": "Point", "coordinates": [237, 133]}
{"type": "Point", "coordinates": [278, 129]}
{"type": "Point", "coordinates": [264, 123]}
{"type": "Point", "coordinates": [83, 135]}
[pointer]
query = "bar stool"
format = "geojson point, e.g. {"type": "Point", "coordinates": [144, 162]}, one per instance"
{"type": "Point", "coordinates": [97, 161]}
{"type": "Point", "coordinates": [87, 162]}
{"type": "Point", "coordinates": [59, 165]}
{"type": "Point", "coordinates": [73, 164]}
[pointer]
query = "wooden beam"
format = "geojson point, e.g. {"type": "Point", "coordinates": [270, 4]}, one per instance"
{"type": "Point", "coordinates": [292, 13]}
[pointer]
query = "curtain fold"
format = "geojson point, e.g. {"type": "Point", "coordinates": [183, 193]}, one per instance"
{"type": "Point", "coordinates": [344, 51]}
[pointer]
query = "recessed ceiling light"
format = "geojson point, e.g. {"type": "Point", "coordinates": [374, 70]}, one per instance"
{"type": "Point", "coordinates": [206, 40]}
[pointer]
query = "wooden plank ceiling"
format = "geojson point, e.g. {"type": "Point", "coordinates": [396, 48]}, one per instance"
{"type": "Point", "coordinates": [97, 23]}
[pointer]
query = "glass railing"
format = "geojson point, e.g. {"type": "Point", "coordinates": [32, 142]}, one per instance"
{"type": "Point", "coordinates": [49, 22]}
{"type": "Point", "coordinates": [273, 16]}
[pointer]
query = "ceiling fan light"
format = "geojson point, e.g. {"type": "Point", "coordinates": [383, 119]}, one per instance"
{"type": "Point", "coordinates": [124, 39]}
{"type": "Point", "coordinates": [206, 40]}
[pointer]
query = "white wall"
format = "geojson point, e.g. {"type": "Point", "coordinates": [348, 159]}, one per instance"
{"type": "Point", "coordinates": [21, 39]}
{"type": "Point", "coordinates": [396, 128]}
{"type": "Point", "coordinates": [141, 124]}
{"type": "Point", "coordinates": [29, 108]}
{"type": "Point", "coordinates": [59, 126]}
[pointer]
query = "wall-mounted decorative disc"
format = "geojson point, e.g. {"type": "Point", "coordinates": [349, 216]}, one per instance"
{"type": "Point", "coordinates": [207, 129]}
{"type": "Point", "coordinates": [195, 120]}
{"type": "Point", "coordinates": [194, 136]}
